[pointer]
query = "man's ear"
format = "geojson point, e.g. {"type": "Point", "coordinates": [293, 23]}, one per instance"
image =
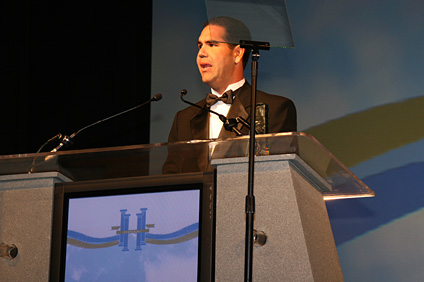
{"type": "Point", "coordinates": [238, 54]}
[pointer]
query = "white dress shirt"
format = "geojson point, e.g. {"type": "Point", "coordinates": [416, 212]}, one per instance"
{"type": "Point", "coordinates": [215, 124]}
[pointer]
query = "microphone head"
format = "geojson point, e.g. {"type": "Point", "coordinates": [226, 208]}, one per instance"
{"type": "Point", "coordinates": [157, 97]}
{"type": "Point", "coordinates": [183, 92]}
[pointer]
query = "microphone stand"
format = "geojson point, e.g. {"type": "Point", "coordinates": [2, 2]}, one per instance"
{"type": "Point", "coordinates": [250, 198]}
{"type": "Point", "coordinates": [68, 140]}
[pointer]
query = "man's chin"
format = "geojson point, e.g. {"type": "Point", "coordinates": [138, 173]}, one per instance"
{"type": "Point", "coordinates": [207, 80]}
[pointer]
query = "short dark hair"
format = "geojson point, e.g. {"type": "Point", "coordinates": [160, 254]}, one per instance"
{"type": "Point", "coordinates": [235, 31]}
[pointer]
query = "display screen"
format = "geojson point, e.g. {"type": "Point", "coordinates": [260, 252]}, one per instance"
{"type": "Point", "coordinates": [135, 237]}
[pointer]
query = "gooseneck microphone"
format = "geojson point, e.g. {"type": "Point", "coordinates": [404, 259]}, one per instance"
{"type": "Point", "coordinates": [229, 124]}
{"type": "Point", "coordinates": [57, 136]}
{"type": "Point", "coordinates": [66, 140]}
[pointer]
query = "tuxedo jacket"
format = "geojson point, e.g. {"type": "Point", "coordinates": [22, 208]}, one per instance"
{"type": "Point", "coordinates": [193, 124]}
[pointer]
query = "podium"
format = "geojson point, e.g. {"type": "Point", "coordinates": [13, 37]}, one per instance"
{"type": "Point", "coordinates": [294, 175]}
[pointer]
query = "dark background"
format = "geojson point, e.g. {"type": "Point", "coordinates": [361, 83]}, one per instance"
{"type": "Point", "coordinates": [68, 64]}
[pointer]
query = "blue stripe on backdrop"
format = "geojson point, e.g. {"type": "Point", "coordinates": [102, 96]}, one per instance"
{"type": "Point", "coordinates": [398, 192]}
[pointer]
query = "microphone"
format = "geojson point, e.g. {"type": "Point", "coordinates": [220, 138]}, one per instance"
{"type": "Point", "coordinates": [66, 140]}
{"type": "Point", "coordinates": [229, 124]}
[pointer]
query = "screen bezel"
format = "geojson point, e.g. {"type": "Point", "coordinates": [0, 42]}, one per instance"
{"type": "Point", "coordinates": [133, 185]}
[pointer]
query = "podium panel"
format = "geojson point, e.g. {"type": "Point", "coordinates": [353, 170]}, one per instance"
{"type": "Point", "coordinates": [26, 210]}
{"type": "Point", "coordinates": [290, 210]}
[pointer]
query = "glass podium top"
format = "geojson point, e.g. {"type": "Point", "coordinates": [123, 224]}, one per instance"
{"type": "Point", "coordinates": [143, 160]}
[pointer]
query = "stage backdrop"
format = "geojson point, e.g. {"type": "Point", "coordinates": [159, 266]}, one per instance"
{"type": "Point", "coordinates": [356, 77]}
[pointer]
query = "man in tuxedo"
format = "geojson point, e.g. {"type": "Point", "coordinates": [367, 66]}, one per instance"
{"type": "Point", "coordinates": [221, 64]}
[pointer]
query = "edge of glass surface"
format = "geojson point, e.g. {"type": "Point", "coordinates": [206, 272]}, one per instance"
{"type": "Point", "coordinates": [333, 195]}
{"type": "Point", "coordinates": [83, 151]}
{"type": "Point", "coordinates": [330, 195]}
{"type": "Point", "coordinates": [327, 195]}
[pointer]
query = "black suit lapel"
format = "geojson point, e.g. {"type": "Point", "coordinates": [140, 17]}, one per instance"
{"type": "Point", "coordinates": [200, 131]}
{"type": "Point", "coordinates": [200, 126]}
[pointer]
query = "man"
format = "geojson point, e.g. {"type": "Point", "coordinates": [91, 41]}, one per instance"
{"type": "Point", "coordinates": [221, 63]}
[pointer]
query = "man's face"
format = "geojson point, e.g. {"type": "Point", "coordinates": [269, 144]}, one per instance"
{"type": "Point", "coordinates": [217, 62]}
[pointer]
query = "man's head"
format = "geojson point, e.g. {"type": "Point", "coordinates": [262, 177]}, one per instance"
{"type": "Point", "coordinates": [235, 31]}
{"type": "Point", "coordinates": [220, 59]}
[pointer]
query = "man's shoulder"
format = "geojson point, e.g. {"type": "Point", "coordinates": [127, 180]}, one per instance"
{"type": "Point", "coordinates": [270, 97]}
{"type": "Point", "coordinates": [265, 97]}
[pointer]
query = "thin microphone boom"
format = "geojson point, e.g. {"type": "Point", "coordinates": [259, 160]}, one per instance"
{"type": "Point", "coordinates": [57, 136]}
{"type": "Point", "coordinates": [157, 97]}
{"type": "Point", "coordinates": [67, 140]}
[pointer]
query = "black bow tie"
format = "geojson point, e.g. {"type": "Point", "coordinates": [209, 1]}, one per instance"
{"type": "Point", "coordinates": [227, 98]}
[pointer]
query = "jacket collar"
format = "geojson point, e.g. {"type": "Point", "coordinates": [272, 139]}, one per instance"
{"type": "Point", "coordinates": [199, 124]}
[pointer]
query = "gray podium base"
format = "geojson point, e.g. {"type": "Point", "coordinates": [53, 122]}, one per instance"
{"type": "Point", "coordinates": [289, 209]}
{"type": "Point", "coordinates": [26, 202]}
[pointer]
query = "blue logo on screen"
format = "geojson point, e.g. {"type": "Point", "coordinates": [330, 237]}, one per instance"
{"type": "Point", "coordinates": [140, 231]}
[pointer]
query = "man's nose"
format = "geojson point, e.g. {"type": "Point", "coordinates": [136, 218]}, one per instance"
{"type": "Point", "coordinates": [202, 53]}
